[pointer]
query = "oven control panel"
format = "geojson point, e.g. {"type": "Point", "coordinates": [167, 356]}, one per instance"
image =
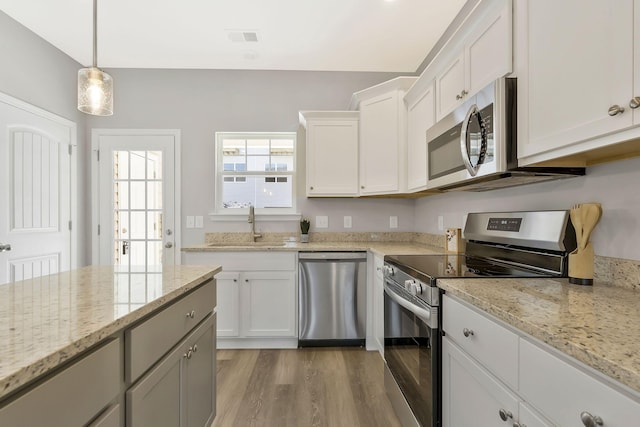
{"type": "Point", "coordinates": [504, 224]}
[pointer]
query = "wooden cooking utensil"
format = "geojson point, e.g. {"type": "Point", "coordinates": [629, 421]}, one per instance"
{"type": "Point", "coordinates": [590, 216]}
{"type": "Point", "coordinates": [576, 220]}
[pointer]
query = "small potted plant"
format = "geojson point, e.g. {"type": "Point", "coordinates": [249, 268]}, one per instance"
{"type": "Point", "coordinates": [304, 230]}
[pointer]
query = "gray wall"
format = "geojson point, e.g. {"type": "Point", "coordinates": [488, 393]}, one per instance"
{"type": "Point", "coordinates": [202, 102]}
{"type": "Point", "coordinates": [614, 185]}
{"type": "Point", "coordinates": [38, 73]}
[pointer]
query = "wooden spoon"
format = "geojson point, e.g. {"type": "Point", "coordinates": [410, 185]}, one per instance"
{"type": "Point", "coordinates": [591, 216]}
{"type": "Point", "coordinates": [576, 219]}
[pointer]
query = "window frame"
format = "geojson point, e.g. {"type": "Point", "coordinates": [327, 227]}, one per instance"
{"type": "Point", "coordinates": [225, 214]}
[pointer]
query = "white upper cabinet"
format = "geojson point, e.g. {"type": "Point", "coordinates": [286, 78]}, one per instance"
{"type": "Point", "coordinates": [420, 117]}
{"type": "Point", "coordinates": [331, 153]}
{"type": "Point", "coordinates": [484, 55]}
{"type": "Point", "coordinates": [575, 66]}
{"type": "Point", "coordinates": [383, 123]}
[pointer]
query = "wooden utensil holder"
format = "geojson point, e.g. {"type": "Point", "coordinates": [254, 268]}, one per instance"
{"type": "Point", "coordinates": [581, 266]}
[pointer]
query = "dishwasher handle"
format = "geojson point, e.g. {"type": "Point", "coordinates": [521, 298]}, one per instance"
{"type": "Point", "coordinates": [333, 256]}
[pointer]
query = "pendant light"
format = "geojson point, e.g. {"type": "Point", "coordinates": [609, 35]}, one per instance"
{"type": "Point", "coordinates": [95, 87]}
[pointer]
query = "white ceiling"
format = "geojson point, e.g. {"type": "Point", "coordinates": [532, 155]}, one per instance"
{"type": "Point", "coordinates": [327, 35]}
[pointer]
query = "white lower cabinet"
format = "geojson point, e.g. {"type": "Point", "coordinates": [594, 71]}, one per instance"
{"type": "Point", "coordinates": [550, 390]}
{"type": "Point", "coordinates": [471, 396]}
{"type": "Point", "coordinates": [178, 390]}
{"type": "Point", "coordinates": [257, 298]}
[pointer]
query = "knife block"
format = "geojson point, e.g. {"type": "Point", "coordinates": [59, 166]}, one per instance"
{"type": "Point", "coordinates": [581, 266]}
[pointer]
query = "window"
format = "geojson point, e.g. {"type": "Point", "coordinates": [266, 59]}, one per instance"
{"type": "Point", "coordinates": [255, 169]}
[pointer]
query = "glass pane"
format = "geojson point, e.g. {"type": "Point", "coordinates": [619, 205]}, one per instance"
{"type": "Point", "coordinates": [154, 253]}
{"type": "Point", "coordinates": [258, 163]}
{"type": "Point", "coordinates": [255, 190]}
{"type": "Point", "coordinates": [138, 291]}
{"type": "Point", "coordinates": [120, 164]}
{"type": "Point", "coordinates": [282, 147]}
{"type": "Point", "coordinates": [258, 147]}
{"type": "Point", "coordinates": [154, 286]}
{"type": "Point", "coordinates": [234, 147]}
{"type": "Point", "coordinates": [137, 194]}
{"type": "Point", "coordinates": [138, 225]}
{"type": "Point", "coordinates": [138, 164]}
{"type": "Point", "coordinates": [121, 194]}
{"type": "Point", "coordinates": [154, 164]}
{"type": "Point", "coordinates": [276, 194]}
{"type": "Point", "coordinates": [154, 225]}
{"type": "Point", "coordinates": [121, 285]}
{"type": "Point", "coordinates": [154, 195]}
{"type": "Point", "coordinates": [121, 225]}
{"type": "Point", "coordinates": [283, 163]}
{"type": "Point", "coordinates": [138, 255]}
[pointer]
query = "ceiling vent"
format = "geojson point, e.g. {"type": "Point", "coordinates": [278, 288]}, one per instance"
{"type": "Point", "coordinates": [243, 36]}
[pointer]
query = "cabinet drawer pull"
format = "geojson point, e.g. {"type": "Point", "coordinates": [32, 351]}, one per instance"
{"type": "Point", "coordinates": [591, 420]}
{"type": "Point", "coordinates": [467, 332]}
{"type": "Point", "coordinates": [614, 110]}
{"type": "Point", "coordinates": [458, 97]}
{"type": "Point", "coordinates": [635, 102]}
{"type": "Point", "coordinates": [191, 314]}
{"type": "Point", "coordinates": [504, 414]}
{"type": "Point", "coordinates": [195, 348]}
{"type": "Point", "coordinates": [188, 354]}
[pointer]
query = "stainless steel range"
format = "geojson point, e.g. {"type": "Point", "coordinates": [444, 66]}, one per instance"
{"type": "Point", "coordinates": [498, 244]}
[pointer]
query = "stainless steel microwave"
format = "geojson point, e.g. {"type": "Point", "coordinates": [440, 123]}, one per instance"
{"type": "Point", "coordinates": [475, 147]}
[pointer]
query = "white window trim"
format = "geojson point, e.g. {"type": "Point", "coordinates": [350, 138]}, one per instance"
{"type": "Point", "coordinates": [262, 214]}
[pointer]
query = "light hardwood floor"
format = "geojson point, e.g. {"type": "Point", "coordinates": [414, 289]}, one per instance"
{"type": "Point", "coordinates": [329, 387]}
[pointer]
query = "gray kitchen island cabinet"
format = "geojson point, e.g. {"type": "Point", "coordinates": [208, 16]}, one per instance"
{"type": "Point", "coordinates": [180, 389]}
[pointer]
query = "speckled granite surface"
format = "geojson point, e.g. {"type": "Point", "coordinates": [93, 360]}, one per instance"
{"type": "Point", "coordinates": [46, 321]}
{"type": "Point", "coordinates": [598, 325]}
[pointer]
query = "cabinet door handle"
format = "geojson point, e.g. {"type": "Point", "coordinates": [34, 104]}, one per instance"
{"type": "Point", "coordinates": [310, 188]}
{"type": "Point", "coordinates": [591, 420]}
{"type": "Point", "coordinates": [195, 348]}
{"type": "Point", "coordinates": [458, 97]}
{"type": "Point", "coordinates": [504, 414]}
{"type": "Point", "coordinates": [614, 110]}
{"type": "Point", "coordinates": [188, 354]}
{"type": "Point", "coordinates": [191, 314]}
{"type": "Point", "coordinates": [467, 332]}
{"type": "Point", "coordinates": [635, 102]}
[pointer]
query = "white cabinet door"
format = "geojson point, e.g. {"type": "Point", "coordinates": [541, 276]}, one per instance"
{"type": "Point", "coordinates": [420, 117]}
{"type": "Point", "coordinates": [332, 156]}
{"type": "Point", "coordinates": [380, 121]}
{"type": "Point", "coordinates": [528, 418]}
{"type": "Point", "coordinates": [378, 303]}
{"type": "Point", "coordinates": [488, 55]}
{"type": "Point", "coordinates": [228, 297]}
{"type": "Point", "coordinates": [470, 396]}
{"type": "Point", "coordinates": [575, 62]}
{"type": "Point", "coordinates": [269, 304]}
{"type": "Point", "coordinates": [450, 87]}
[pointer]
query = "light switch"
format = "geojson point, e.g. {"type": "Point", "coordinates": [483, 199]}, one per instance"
{"type": "Point", "coordinates": [322, 221]}
{"type": "Point", "coordinates": [199, 221]}
{"type": "Point", "coordinates": [190, 222]}
{"type": "Point", "coordinates": [347, 222]}
{"type": "Point", "coordinates": [393, 221]}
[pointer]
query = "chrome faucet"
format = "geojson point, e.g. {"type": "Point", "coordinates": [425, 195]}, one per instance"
{"type": "Point", "coordinates": [252, 221]}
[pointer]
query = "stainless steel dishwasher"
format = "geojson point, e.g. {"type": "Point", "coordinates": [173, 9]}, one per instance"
{"type": "Point", "coordinates": [332, 298]}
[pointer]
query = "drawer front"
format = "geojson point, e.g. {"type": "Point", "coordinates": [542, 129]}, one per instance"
{"type": "Point", "coordinates": [561, 391]}
{"type": "Point", "coordinates": [488, 342]}
{"type": "Point", "coordinates": [110, 418]}
{"type": "Point", "coordinates": [254, 261]}
{"type": "Point", "coordinates": [71, 397]}
{"type": "Point", "coordinates": [149, 341]}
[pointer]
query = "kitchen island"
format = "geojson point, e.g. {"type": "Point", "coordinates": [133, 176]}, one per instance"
{"type": "Point", "coordinates": [52, 324]}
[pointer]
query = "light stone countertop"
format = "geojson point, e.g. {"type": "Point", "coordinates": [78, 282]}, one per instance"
{"type": "Point", "coordinates": [47, 321]}
{"type": "Point", "coordinates": [379, 248]}
{"type": "Point", "coordinates": [598, 325]}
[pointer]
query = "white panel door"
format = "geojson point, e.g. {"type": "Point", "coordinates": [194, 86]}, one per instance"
{"type": "Point", "coordinates": [137, 201]}
{"type": "Point", "coordinates": [269, 304]}
{"type": "Point", "coordinates": [35, 192]}
{"type": "Point", "coordinates": [420, 117]}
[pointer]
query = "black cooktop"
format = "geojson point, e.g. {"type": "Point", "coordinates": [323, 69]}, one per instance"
{"type": "Point", "coordinates": [431, 267]}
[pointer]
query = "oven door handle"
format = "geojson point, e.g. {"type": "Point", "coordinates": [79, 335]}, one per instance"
{"type": "Point", "coordinates": [425, 315]}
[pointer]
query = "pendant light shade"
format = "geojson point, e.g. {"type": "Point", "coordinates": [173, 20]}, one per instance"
{"type": "Point", "coordinates": [95, 87]}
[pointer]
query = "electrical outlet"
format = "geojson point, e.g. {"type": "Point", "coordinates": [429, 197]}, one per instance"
{"type": "Point", "coordinates": [440, 223]}
{"type": "Point", "coordinates": [393, 221]}
{"type": "Point", "coordinates": [199, 221]}
{"type": "Point", "coordinates": [190, 222]}
{"type": "Point", "coordinates": [322, 221]}
{"type": "Point", "coordinates": [347, 222]}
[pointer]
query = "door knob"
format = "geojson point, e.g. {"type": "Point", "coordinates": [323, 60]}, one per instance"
{"type": "Point", "coordinates": [168, 245]}
{"type": "Point", "coordinates": [5, 247]}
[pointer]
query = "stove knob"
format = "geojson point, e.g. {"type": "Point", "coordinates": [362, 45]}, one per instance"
{"type": "Point", "coordinates": [416, 288]}
{"type": "Point", "coordinates": [408, 284]}
{"type": "Point", "coordinates": [389, 271]}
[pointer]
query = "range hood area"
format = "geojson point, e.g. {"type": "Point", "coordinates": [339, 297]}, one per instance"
{"type": "Point", "coordinates": [514, 178]}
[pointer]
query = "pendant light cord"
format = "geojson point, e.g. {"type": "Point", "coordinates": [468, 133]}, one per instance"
{"type": "Point", "coordinates": [95, 33]}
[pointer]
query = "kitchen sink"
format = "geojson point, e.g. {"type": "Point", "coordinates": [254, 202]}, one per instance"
{"type": "Point", "coordinates": [246, 244]}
